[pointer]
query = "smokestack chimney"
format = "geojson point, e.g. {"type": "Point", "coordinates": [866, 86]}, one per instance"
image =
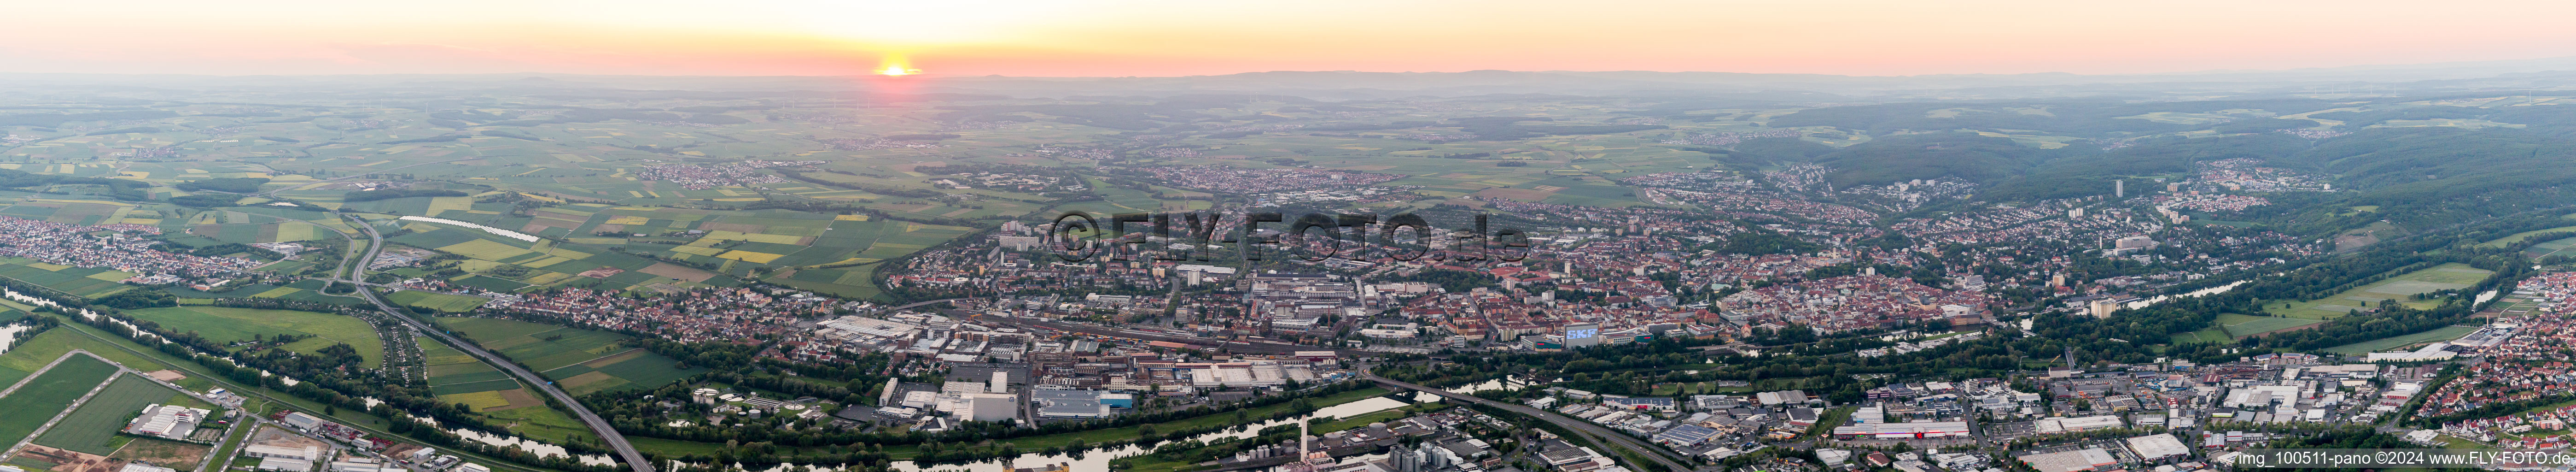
{"type": "Point", "coordinates": [1306, 443]}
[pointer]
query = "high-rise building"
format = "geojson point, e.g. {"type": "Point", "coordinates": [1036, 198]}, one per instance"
{"type": "Point", "coordinates": [2133, 244]}
{"type": "Point", "coordinates": [2119, 189]}
{"type": "Point", "coordinates": [2102, 308]}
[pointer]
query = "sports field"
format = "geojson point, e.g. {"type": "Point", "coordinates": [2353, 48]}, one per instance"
{"type": "Point", "coordinates": [224, 324]}
{"type": "Point", "coordinates": [2442, 277]}
{"type": "Point", "coordinates": [2446, 333]}
{"type": "Point", "coordinates": [92, 428]}
{"type": "Point", "coordinates": [46, 395]}
{"type": "Point", "coordinates": [581, 361]}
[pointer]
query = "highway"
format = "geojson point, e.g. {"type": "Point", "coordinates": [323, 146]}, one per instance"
{"type": "Point", "coordinates": [1598, 434]}
{"type": "Point", "coordinates": [625, 450]}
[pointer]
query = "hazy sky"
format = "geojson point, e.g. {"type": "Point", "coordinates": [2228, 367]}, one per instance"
{"type": "Point", "coordinates": [1194, 37]}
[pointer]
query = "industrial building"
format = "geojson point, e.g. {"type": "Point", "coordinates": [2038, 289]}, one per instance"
{"type": "Point", "coordinates": [2157, 447]}
{"type": "Point", "coordinates": [990, 407]}
{"type": "Point", "coordinates": [167, 421]}
{"type": "Point", "coordinates": [2070, 461]}
{"type": "Point", "coordinates": [2074, 425]}
{"type": "Point", "coordinates": [1929, 429]}
{"type": "Point", "coordinates": [1080, 403]}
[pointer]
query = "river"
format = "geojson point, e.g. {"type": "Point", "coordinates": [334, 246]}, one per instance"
{"type": "Point", "coordinates": [9, 335]}
{"type": "Point", "coordinates": [538, 448]}
{"type": "Point", "coordinates": [2195, 293]}
{"type": "Point", "coordinates": [1469, 389]}
{"type": "Point", "coordinates": [1098, 459]}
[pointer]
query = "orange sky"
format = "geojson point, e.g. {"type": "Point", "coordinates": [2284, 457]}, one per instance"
{"type": "Point", "coordinates": [1164, 38]}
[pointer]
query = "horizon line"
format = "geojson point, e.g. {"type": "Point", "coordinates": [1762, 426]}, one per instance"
{"type": "Point", "coordinates": [933, 74]}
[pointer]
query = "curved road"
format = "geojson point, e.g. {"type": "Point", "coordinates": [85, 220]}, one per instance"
{"type": "Point", "coordinates": [1598, 434]}
{"type": "Point", "coordinates": [626, 451]}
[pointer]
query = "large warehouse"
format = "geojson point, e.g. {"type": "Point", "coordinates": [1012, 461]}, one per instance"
{"type": "Point", "coordinates": [1932, 429]}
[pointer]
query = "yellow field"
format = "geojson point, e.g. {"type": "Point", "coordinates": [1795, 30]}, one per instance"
{"type": "Point", "coordinates": [722, 235]}
{"type": "Point", "coordinates": [484, 249]}
{"type": "Point", "coordinates": [698, 250]}
{"type": "Point", "coordinates": [549, 278]}
{"type": "Point", "coordinates": [479, 401]}
{"type": "Point", "coordinates": [748, 256]}
{"type": "Point", "coordinates": [437, 204]}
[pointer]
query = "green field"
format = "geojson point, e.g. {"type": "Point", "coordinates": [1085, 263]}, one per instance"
{"type": "Point", "coordinates": [222, 324]}
{"type": "Point", "coordinates": [2240, 325]}
{"type": "Point", "coordinates": [454, 372]}
{"type": "Point", "coordinates": [2446, 333]}
{"type": "Point", "coordinates": [2546, 249]}
{"type": "Point", "coordinates": [44, 396]}
{"type": "Point", "coordinates": [2520, 237]}
{"type": "Point", "coordinates": [631, 369]}
{"type": "Point", "coordinates": [35, 352]}
{"type": "Point", "coordinates": [540, 346]}
{"type": "Point", "coordinates": [1363, 420]}
{"type": "Point", "coordinates": [712, 247]}
{"type": "Point", "coordinates": [582, 361]}
{"type": "Point", "coordinates": [543, 424]}
{"type": "Point", "coordinates": [93, 427]}
{"type": "Point", "coordinates": [261, 399]}
{"type": "Point", "coordinates": [2205, 335]}
{"type": "Point", "coordinates": [2442, 277]}
{"type": "Point", "coordinates": [87, 282]}
{"type": "Point", "coordinates": [449, 303]}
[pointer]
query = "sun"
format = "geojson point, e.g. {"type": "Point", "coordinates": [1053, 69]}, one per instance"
{"type": "Point", "coordinates": [894, 66]}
